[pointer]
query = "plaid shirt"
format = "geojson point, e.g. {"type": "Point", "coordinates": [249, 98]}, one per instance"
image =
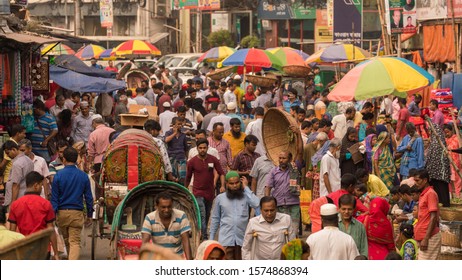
{"type": "Point", "coordinates": [224, 150]}
{"type": "Point", "coordinates": [244, 161]}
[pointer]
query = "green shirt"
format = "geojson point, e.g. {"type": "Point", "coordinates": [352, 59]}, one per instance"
{"type": "Point", "coordinates": [357, 231]}
{"type": "Point", "coordinates": [317, 80]}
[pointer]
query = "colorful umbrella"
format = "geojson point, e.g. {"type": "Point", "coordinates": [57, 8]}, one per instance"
{"type": "Point", "coordinates": [255, 58]}
{"type": "Point", "coordinates": [89, 51]}
{"type": "Point", "coordinates": [135, 48]}
{"type": "Point", "coordinates": [106, 55]}
{"type": "Point", "coordinates": [216, 54]}
{"type": "Point", "coordinates": [338, 52]}
{"type": "Point", "coordinates": [303, 54]}
{"type": "Point", "coordinates": [381, 76]}
{"type": "Point", "coordinates": [56, 49]}
{"type": "Point", "coordinates": [288, 56]}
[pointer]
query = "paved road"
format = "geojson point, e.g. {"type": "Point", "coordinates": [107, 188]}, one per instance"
{"type": "Point", "coordinates": [103, 247]}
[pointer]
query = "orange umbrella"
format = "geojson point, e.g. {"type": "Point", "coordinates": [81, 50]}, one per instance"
{"type": "Point", "coordinates": [135, 48]}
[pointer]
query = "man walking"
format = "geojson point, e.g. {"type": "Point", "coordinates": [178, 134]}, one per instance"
{"type": "Point", "coordinates": [68, 190]}
{"type": "Point", "coordinates": [271, 230]}
{"type": "Point", "coordinates": [427, 230]}
{"type": "Point", "coordinates": [231, 214]}
{"type": "Point", "coordinates": [81, 125]}
{"type": "Point", "coordinates": [329, 176]}
{"type": "Point", "coordinates": [244, 161]}
{"type": "Point", "coordinates": [255, 128]}
{"type": "Point", "coordinates": [98, 141]}
{"type": "Point", "coordinates": [202, 167]}
{"type": "Point", "coordinates": [351, 226]}
{"type": "Point", "coordinates": [330, 243]}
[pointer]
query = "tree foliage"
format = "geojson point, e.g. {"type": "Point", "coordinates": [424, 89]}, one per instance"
{"type": "Point", "coordinates": [220, 38]}
{"type": "Point", "coordinates": [250, 42]}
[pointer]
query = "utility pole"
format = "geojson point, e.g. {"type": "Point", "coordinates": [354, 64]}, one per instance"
{"type": "Point", "coordinates": [77, 18]}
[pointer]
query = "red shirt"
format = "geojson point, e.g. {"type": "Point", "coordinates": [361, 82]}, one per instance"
{"type": "Point", "coordinates": [428, 202]}
{"type": "Point", "coordinates": [31, 213]}
{"type": "Point", "coordinates": [403, 117]}
{"type": "Point", "coordinates": [335, 196]}
{"type": "Point", "coordinates": [331, 135]}
{"type": "Point", "coordinates": [203, 175]}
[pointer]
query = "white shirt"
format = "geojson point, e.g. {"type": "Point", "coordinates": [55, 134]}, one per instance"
{"type": "Point", "coordinates": [262, 99]}
{"type": "Point", "coordinates": [220, 118]}
{"type": "Point", "coordinates": [41, 166]}
{"type": "Point", "coordinates": [330, 165]}
{"type": "Point", "coordinates": [164, 153]}
{"type": "Point", "coordinates": [165, 120]}
{"type": "Point", "coordinates": [340, 126]}
{"type": "Point", "coordinates": [270, 237]}
{"type": "Point", "coordinates": [254, 128]}
{"type": "Point", "coordinates": [229, 96]}
{"type": "Point", "coordinates": [332, 244]}
{"type": "Point", "coordinates": [387, 106]}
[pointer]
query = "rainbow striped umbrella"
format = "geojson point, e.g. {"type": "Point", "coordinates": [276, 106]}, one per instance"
{"type": "Point", "coordinates": [89, 51]}
{"type": "Point", "coordinates": [135, 48]}
{"type": "Point", "coordinates": [288, 56]}
{"type": "Point", "coordinates": [338, 52]}
{"type": "Point", "coordinates": [303, 54]}
{"type": "Point", "coordinates": [256, 58]}
{"type": "Point", "coordinates": [216, 54]}
{"type": "Point", "coordinates": [56, 49]}
{"type": "Point", "coordinates": [106, 55]}
{"type": "Point", "coordinates": [381, 76]}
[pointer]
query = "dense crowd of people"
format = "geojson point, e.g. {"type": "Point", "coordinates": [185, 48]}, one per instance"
{"type": "Point", "coordinates": [375, 179]}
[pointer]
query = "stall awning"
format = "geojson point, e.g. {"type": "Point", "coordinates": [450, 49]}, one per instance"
{"type": "Point", "coordinates": [29, 38]}
{"type": "Point", "coordinates": [74, 81]}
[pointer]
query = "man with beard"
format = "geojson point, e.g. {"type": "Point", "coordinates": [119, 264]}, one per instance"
{"type": "Point", "coordinates": [202, 167]}
{"type": "Point", "coordinates": [168, 227]}
{"type": "Point", "coordinates": [231, 214]}
{"type": "Point", "coordinates": [235, 137]}
{"type": "Point", "coordinates": [272, 230]}
{"type": "Point", "coordinates": [244, 160]}
{"type": "Point", "coordinates": [329, 177]}
{"type": "Point", "coordinates": [312, 155]}
{"type": "Point", "coordinates": [216, 141]}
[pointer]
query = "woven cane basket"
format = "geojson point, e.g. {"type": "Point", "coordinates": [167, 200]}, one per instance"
{"type": "Point", "coordinates": [448, 256]}
{"type": "Point", "coordinates": [261, 81]}
{"type": "Point", "coordinates": [277, 135]}
{"type": "Point", "coordinates": [451, 214]}
{"type": "Point", "coordinates": [296, 70]}
{"type": "Point", "coordinates": [221, 73]}
{"type": "Point", "coordinates": [450, 239]}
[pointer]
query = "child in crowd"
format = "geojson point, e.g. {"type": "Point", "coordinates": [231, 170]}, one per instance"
{"type": "Point", "coordinates": [409, 247]}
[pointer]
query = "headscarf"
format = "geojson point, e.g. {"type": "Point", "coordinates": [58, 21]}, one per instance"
{"type": "Point", "coordinates": [293, 250]}
{"type": "Point", "coordinates": [381, 128]}
{"type": "Point", "coordinates": [320, 153]}
{"type": "Point", "coordinates": [382, 136]}
{"type": "Point", "coordinates": [346, 143]}
{"type": "Point", "coordinates": [206, 247]}
{"type": "Point", "coordinates": [249, 96]}
{"type": "Point", "coordinates": [437, 162]}
{"type": "Point", "coordinates": [378, 227]}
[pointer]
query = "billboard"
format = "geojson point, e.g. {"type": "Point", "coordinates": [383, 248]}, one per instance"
{"type": "Point", "coordinates": [322, 31]}
{"type": "Point", "coordinates": [184, 4]}
{"type": "Point", "coordinates": [348, 21]}
{"type": "Point", "coordinates": [401, 16]}
{"type": "Point", "coordinates": [431, 9]}
{"type": "Point", "coordinates": [106, 13]}
{"type": "Point", "coordinates": [285, 9]}
{"type": "Point", "coordinates": [209, 4]}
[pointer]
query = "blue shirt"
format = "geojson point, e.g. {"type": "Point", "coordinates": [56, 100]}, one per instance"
{"type": "Point", "coordinates": [48, 124]}
{"type": "Point", "coordinates": [178, 146]}
{"type": "Point", "coordinates": [287, 104]}
{"type": "Point", "coordinates": [411, 159]}
{"type": "Point", "coordinates": [232, 216]}
{"type": "Point", "coordinates": [70, 186]}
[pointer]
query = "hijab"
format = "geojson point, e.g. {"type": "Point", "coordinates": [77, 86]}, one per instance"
{"type": "Point", "coordinates": [382, 128]}
{"type": "Point", "coordinates": [437, 162]}
{"type": "Point", "coordinates": [378, 227]}
{"type": "Point", "coordinates": [249, 96]}
{"type": "Point", "coordinates": [293, 250]}
{"type": "Point", "coordinates": [320, 153]}
{"type": "Point", "coordinates": [369, 147]}
{"type": "Point", "coordinates": [346, 143]}
{"type": "Point", "coordinates": [382, 136]}
{"type": "Point", "coordinates": [206, 247]}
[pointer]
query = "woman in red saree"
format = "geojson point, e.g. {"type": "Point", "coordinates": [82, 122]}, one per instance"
{"type": "Point", "coordinates": [378, 229]}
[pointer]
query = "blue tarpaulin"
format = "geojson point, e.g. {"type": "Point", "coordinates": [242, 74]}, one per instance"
{"type": "Point", "coordinates": [71, 62]}
{"type": "Point", "coordinates": [74, 81]}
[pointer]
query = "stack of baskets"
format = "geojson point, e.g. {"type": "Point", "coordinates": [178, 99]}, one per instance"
{"type": "Point", "coordinates": [451, 214]}
{"type": "Point", "coordinates": [277, 135]}
{"type": "Point", "coordinates": [296, 70]}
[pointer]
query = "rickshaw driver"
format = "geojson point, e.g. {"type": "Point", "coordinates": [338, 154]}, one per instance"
{"type": "Point", "coordinates": [163, 225]}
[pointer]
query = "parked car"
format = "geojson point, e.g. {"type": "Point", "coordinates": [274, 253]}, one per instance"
{"type": "Point", "coordinates": [184, 73]}
{"type": "Point", "coordinates": [180, 60]}
{"type": "Point", "coordinates": [138, 62]}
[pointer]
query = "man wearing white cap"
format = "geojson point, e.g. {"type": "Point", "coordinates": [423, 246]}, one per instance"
{"type": "Point", "coordinates": [98, 141]}
{"type": "Point", "coordinates": [166, 117]}
{"type": "Point", "coordinates": [232, 107]}
{"type": "Point", "coordinates": [330, 243]}
{"type": "Point", "coordinates": [81, 125]}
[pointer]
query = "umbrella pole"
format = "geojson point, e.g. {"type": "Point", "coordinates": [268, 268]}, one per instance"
{"type": "Point", "coordinates": [445, 151]}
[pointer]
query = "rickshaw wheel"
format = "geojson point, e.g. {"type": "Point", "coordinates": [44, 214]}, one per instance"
{"type": "Point", "coordinates": [94, 232]}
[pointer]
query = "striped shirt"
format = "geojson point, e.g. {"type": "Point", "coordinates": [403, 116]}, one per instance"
{"type": "Point", "coordinates": [55, 166]}
{"type": "Point", "coordinates": [48, 124]}
{"type": "Point", "coordinates": [167, 238]}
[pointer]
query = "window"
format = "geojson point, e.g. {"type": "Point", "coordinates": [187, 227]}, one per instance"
{"type": "Point", "coordinates": [161, 8]}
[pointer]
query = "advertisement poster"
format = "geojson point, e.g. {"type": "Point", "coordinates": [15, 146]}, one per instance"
{"type": "Point", "coordinates": [106, 13]}
{"type": "Point", "coordinates": [209, 4]}
{"type": "Point", "coordinates": [348, 21]}
{"type": "Point", "coordinates": [330, 14]}
{"type": "Point", "coordinates": [184, 4]}
{"type": "Point", "coordinates": [431, 9]}
{"type": "Point", "coordinates": [402, 16]}
{"type": "Point", "coordinates": [322, 32]}
{"type": "Point", "coordinates": [220, 21]}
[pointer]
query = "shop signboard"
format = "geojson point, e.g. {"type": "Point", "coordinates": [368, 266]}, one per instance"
{"type": "Point", "coordinates": [322, 31]}
{"type": "Point", "coordinates": [209, 4]}
{"type": "Point", "coordinates": [348, 21]}
{"type": "Point", "coordinates": [431, 9]}
{"type": "Point", "coordinates": [285, 10]}
{"type": "Point", "coordinates": [457, 6]}
{"type": "Point", "coordinates": [185, 4]}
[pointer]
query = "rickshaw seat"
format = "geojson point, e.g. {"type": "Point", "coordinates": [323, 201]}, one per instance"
{"type": "Point", "coordinates": [130, 246]}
